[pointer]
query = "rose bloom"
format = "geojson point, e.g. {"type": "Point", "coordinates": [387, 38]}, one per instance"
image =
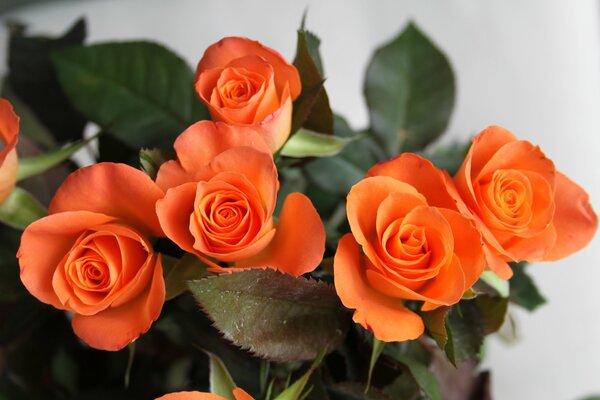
{"type": "Point", "coordinates": [415, 246]}
{"type": "Point", "coordinates": [219, 202]}
{"type": "Point", "coordinates": [525, 209]}
{"type": "Point", "coordinates": [238, 393]}
{"type": "Point", "coordinates": [92, 254]}
{"type": "Point", "coordinates": [9, 129]}
{"type": "Point", "coordinates": [245, 83]}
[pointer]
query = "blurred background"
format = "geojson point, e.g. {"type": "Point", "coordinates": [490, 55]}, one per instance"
{"type": "Point", "coordinates": [532, 67]}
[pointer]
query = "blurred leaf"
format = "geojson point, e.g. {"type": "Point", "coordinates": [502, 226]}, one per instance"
{"type": "Point", "coordinates": [311, 108]}
{"type": "Point", "coordinates": [307, 143]}
{"type": "Point", "coordinates": [11, 288]}
{"type": "Point", "coordinates": [426, 380]}
{"type": "Point", "coordinates": [220, 380]}
{"type": "Point", "coordinates": [448, 157]}
{"type": "Point", "coordinates": [409, 89]}
{"type": "Point", "coordinates": [20, 317]}
{"type": "Point", "coordinates": [294, 391]}
{"type": "Point", "coordinates": [276, 316]}
{"type": "Point", "coordinates": [178, 272]}
{"type": "Point", "coordinates": [493, 311]}
{"type": "Point", "coordinates": [465, 329]}
{"type": "Point", "coordinates": [523, 290]}
{"type": "Point", "coordinates": [501, 286]}
{"type": "Point", "coordinates": [152, 159]}
{"type": "Point", "coordinates": [112, 149]}
{"type": "Point", "coordinates": [334, 174]}
{"type": "Point", "coordinates": [435, 323]}
{"type": "Point", "coordinates": [35, 165]}
{"type": "Point", "coordinates": [378, 346]}
{"type": "Point", "coordinates": [65, 372]}
{"type": "Point", "coordinates": [33, 79]}
{"type": "Point", "coordinates": [140, 92]}
{"type": "Point", "coordinates": [29, 124]}
{"type": "Point", "coordinates": [129, 366]}
{"type": "Point", "coordinates": [20, 209]}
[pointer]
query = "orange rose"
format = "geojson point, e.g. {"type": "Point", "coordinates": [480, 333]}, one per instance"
{"type": "Point", "coordinates": [220, 197]}
{"type": "Point", "coordinates": [245, 83]}
{"type": "Point", "coordinates": [9, 129]}
{"type": "Point", "coordinates": [92, 255]}
{"type": "Point", "coordinates": [238, 393]}
{"type": "Point", "coordinates": [415, 246]}
{"type": "Point", "coordinates": [525, 209]}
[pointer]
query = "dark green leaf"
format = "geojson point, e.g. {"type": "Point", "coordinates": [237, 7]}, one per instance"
{"type": "Point", "coordinates": [500, 286]}
{"type": "Point", "coordinates": [20, 209]}
{"type": "Point", "coordinates": [307, 143]}
{"type": "Point", "coordinates": [523, 290]}
{"type": "Point", "coordinates": [152, 159]}
{"type": "Point", "coordinates": [33, 78]}
{"type": "Point", "coordinates": [17, 318]}
{"type": "Point", "coordinates": [274, 315]}
{"type": "Point", "coordinates": [448, 157]}
{"type": "Point", "coordinates": [220, 380]}
{"type": "Point", "coordinates": [35, 165]}
{"type": "Point", "coordinates": [334, 174]}
{"type": "Point", "coordinates": [410, 92]}
{"type": "Point", "coordinates": [311, 108]}
{"type": "Point", "coordinates": [465, 328]}
{"type": "Point", "coordinates": [493, 310]}
{"type": "Point", "coordinates": [178, 272]}
{"type": "Point", "coordinates": [435, 323]}
{"type": "Point", "coordinates": [425, 378]}
{"type": "Point", "coordinates": [139, 91]}
{"type": "Point", "coordinates": [355, 391]}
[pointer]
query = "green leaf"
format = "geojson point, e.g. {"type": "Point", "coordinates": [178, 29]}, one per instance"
{"type": "Point", "coordinates": [501, 286]}
{"type": "Point", "coordinates": [220, 380]}
{"type": "Point", "coordinates": [20, 209]}
{"type": "Point", "coordinates": [276, 316]}
{"type": "Point", "coordinates": [465, 328]}
{"type": "Point", "coordinates": [355, 391]}
{"type": "Point", "coordinates": [307, 143]}
{"type": "Point", "coordinates": [152, 159]}
{"type": "Point", "coordinates": [493, 311]}
{"type": "Point", "coordinates": [435, 323]}
{"type": "Point", "coordinates": [129, 366]}
{"type": "Point", "coordinates": [138, 91]}
{"type": "Point", "coordinates": [311, 108]}
{"type": "Point", "coordinates": [32, 77]}
{"type": "Point", "coordinates": [523, 290]}
{"type": "Point", "coordinates": [178, 272]}
{"type": "Point", "coordinates": [378, 346]}
{"type": "Point", "coordinates": [423, 376]}
{"type": "Point", "coordinates": [35, 165]}
{"type": "Point", "coordinates": [448, 157]}
{"type": "Point", "coordinates": [294, 391]}
{"type": "Point", "coordinates": [334, 174]}
{"type": "Point", "coordinates": [410, 92]}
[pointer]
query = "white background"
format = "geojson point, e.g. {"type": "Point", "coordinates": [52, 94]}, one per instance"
{"type": "Point", "coordinates": [531, 66]}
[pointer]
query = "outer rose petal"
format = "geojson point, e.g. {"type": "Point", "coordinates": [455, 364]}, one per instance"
{"type": "Point", "coordinates": [299, 241]}
{"type": "Point", "coordinates": [240, 394]}
{"type": "Point", "coordinates": [199, 144]}
{"type": "Point", "coordinates": [112, 189]}
{"type": "Point", "coordinates": [223, 52]}
{"type": "Point", "coordinates": [386, 317]}
{"type": "Point", "coordinates": [114, 328]}
{"type": "Point", "coordinates": [9, 129]}
{"type": "Point", "coordinates": [275, 129]}
{"type": "Point", "coordinates": [420, 174]}
{"type": "Point", "coordinates": [574, 219]}
{"type": "Point", "coordinates": [43, 245]}
{"type": "Point", "coordinates": [174, 212]}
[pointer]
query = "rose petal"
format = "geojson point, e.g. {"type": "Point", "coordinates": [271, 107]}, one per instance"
{"type": "Point", "coordinates": [116, 327]}
{"type": "Point", "coordinates": [44, 244]}
{"type": "Point", "coordinates": [468, 245]}
{"type": "Point", "coordinates": [228, 49]}
{"type": "Point", "coordinates": [9, 129]}
{"type": "Point", "coordinates": [276, 127]}
{"type": "Point", "coordinates": [299, 241]}
{"type": "Point", "coordinates": [174, 211]}
{"type": "Point", "coordinates": [575, 221]}
{"type": "Point", "coordinates": [386, 317]}
{"type": "Point", "coordinates": [199, 144]}
{"type": "Point", "coordinates": [485, 145]}
{"type": "Point", "coordinates": [419, 173]}
{"type": "Point", "coordinates": [496, 263]}
{"type": "Point", "coordinates": [117, 190]}
{"type": "Point", "coordinates": [240, 394]}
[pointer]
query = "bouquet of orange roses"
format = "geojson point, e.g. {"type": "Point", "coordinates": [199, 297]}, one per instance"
{"type": "Point", "coordinates": [231, 237]}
